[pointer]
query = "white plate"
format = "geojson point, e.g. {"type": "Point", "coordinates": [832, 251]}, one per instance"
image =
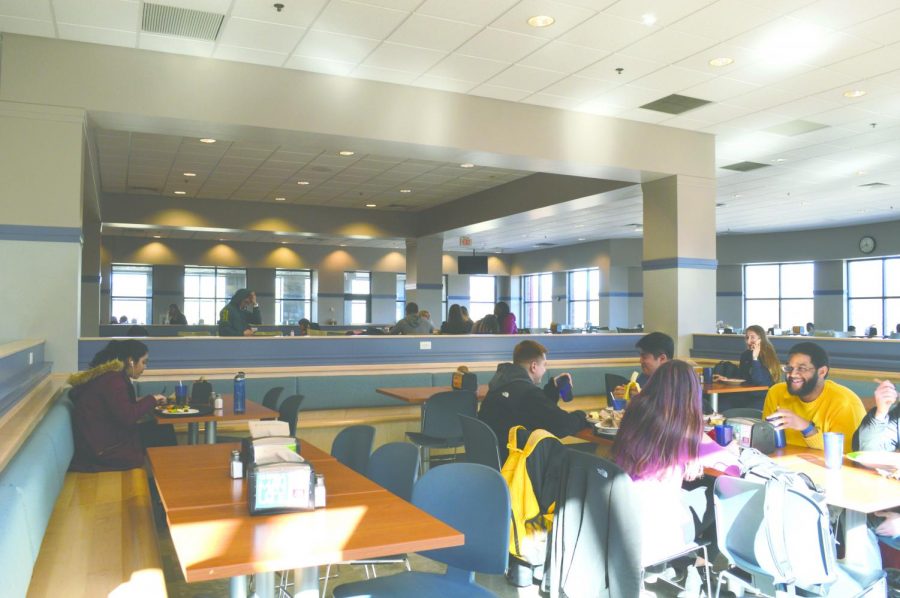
{"type": "Point", "coordinates": [605, 430]}
{"type": "Point", "coordinates": [732, 381]}
{"type": "Point", "coordinates": [175, 413]}
{"type": "Point", "coordinates": [876, 459]}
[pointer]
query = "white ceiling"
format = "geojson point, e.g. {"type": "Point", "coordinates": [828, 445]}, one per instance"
{"type": "Point", "coordinates": [793, 60]}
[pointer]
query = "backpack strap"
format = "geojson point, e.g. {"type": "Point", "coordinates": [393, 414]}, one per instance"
{"type": "Point", "coordinates": [776, 492]}
{"type": "Point", "coordinates": [512, 441]}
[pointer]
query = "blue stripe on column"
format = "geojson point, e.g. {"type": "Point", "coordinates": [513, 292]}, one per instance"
{"type": "Point", "coordinates": [429, 286]}
{"type": "Point", "coordinates": [620, 294]}
{"type": "Point", "coordinates": [457, 297]}
{"type": "Point", "coordinates": [828, 292]}
{"type": "Point", "coordinates": [90, 278]}
{"type": "Point", "coordinates": [729, 294]}
{"type": "Point", "coordinates": [687, 263]}
{"type": "Point", "coordinates": [45, 234]}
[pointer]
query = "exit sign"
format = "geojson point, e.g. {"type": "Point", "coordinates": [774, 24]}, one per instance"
{"type": "Point", "coordinates": [465, 241]}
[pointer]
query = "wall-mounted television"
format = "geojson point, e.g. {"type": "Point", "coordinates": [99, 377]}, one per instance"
{"type": "Point", "coordinates": [472, 264]}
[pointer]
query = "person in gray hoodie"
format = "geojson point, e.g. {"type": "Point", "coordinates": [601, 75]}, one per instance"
{"type": "Point", "coordinates": [412, 323]}
{"type": "Point", "coordinates": [515, 399]}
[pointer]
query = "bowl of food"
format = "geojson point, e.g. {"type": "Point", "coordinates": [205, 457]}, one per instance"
{"type": "Point", "coordinates": [606, 421]}
{"type": "Point", "coordinates": [732, 381]}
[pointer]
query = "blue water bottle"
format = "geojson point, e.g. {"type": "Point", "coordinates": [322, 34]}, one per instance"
{"type": "Point", "coordinates": [240, 393]}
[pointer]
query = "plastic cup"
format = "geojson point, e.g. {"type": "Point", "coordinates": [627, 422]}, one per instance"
{"type": "Point", "coordinates": [180, 394]}
{"type": "Point", "coordinates": [724, 434]}
{"type": "Point", "coordinates": [618, 404]}
{"type": "Point", "coordinates": [780, 441]}
{"type": "Point", "coordinates": [565, 389]}
{"type": "Point", "coordinates": [834, 449]}
{"type": "Point", "coordinates": [707, 375]}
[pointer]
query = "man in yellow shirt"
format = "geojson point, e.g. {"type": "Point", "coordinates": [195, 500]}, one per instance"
{"type": "Point", "coordinates": [806, 405]}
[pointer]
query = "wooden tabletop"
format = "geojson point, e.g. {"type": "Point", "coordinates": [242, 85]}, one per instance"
{"type": "Point", "coordinates": [215, 536]}
{"type": "Point", "coordinates": [417, 395]}
{"type": "Point", "coordinates": [721, 388]}
{"type": "Point", "coordinates": [253, 411]}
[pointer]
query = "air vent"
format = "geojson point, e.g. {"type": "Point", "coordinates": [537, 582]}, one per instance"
{"type": "Point", "coordinates": [874, 185]}
{"type": "Point", "coordinates": [675, 104]}
{"type": "Point", "coordinates": [146, 189]}
{"type": "Point", "coordinates": [183, 22]}
{"type": "Point", "coordinates": [796, 127]}
{"type": "Point", "coordinates": [745, 166]}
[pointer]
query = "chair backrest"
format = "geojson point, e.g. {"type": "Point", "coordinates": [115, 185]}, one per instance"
{"type": "Point", "coordinates": [395, 467]}
{"type": "Point", "coordinates": [480, 442]}
{"type": "Point", "coordinates": [596, 533]}
{"type": "Point", "coordinates": [473, 499]}
{"type": "Point", "coordinates": [352, 447]}
{"type": "Point", "coordinates": [439, 414]}
{"type": "Point", "coordinates": [287, 411]}
{"type": "Point", "coordinates": [743, 412]}
{"type": "Point", "coordinates": [612, 381]}
{"type": "Point", "coordinates": [270, 400]}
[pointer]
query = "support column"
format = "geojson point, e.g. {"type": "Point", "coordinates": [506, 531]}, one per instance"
{"type": "Point", "coordinates": [829, 303]}
{"type": "Point", "coordinates": [168, 288]}
{"type": "Point", "coordinates": [40, 235]}
{"type": "Point", "coordinates": [730, 297]}
{"type": "Point", "coordinates": [679, 260]}
{"type": "Point", "coordinates": [424, 273]}
{"type": "Point", "coordinates": [90, 278]}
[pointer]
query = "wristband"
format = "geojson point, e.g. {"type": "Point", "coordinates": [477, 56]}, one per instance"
{"type": "Point", "coordinates": [809, 430]}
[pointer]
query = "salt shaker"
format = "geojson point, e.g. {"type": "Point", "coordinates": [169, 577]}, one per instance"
{"type": "Point", "coordinates": [237, 467]}
{"type": "Point", "coordinates": [320, 491]}
{"type": "Point", "coordinates": [217, 403]}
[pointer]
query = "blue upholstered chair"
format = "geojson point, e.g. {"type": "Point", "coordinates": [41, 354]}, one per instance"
{"type": "Point", "coordinates": [471, 498]}
{"type": "Point", "coordinates": [352, 447]}
{"type": "Point", "coordinates": [480, 442]}
{"type": "Point", "coordinates": [440, 422]}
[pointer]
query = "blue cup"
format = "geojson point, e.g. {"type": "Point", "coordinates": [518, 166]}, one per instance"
{"type": "Point", "coordinates": [564, 386]}
{"type": "Point", "coordinates": [780, 441]}
{"type": "Point", "coordinates": [834, 449]}
{"type": "Point", "coordinates": [724, 434]}
{"type": "Point", "coordinates": [618, 404]}
{"type": "Point", "coordinates": [707, 375]}
{"type": "Point", "coordinates": [181, 394]}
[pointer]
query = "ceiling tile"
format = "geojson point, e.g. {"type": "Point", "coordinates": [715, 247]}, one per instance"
{"type": "Point", "coordinates": [376, 73]}
{"type": "Point", "coordinates": [320, 65]}
{"type": "Point", "coordinates": [871, 63]}
{"type": "Point", "coordinates": [496, 44]}
{"type": "Point", "coordinates": [257, 35]}
{"type": "Point", "coordinates": [837, 14]}
{"type": "Point", "coordinates": [672, 79]}
{"type": "Point", "coordinates": [524, 77]}
{"type": "Point", "coordinates": [403, 58]}
{"type": "Point", "coordinates": [111, 37]}
{"type": "Point", "coordinates": [250, 55]}
{"type": "Point", "coordinates": [606, 32]}
{"type": "Point", "coordinates": [566, 17]}
{"type": "Point", "coordinates": [332, 46]}
{"type": "Point", "coordinates": [564, 58]}
{"type": "Point", "coordinates": [444, 84]}
{"type": "Point", "coordinates": [724, 19]}
{"type": "Point", "coordinates": [27, 26]}
{"type": "Point", "coordinates": [294, 14]}
{"type": "Point", "coordinates": [499, 93]}
{"type": "Point", "coordinates": [552, 101]}
{"type": "Point", "coordinates": [632, 68]}
{"type": "Point", "coordinates": [630, 96]}
{"type": "Point", "coordinates": [466, 68]}
{"type": "Point", "coordinates": [719, 89]}
{"type": "Point", "coordinates": [175, 45]}
{"type": "Point", "coordinates": [576, 87]}
{"type": "Point", "coordinates": [105, 14]}
{"type": "Point", "coordinates": [405, 5]}
{"type": "Point", "coordinates": [669, 46]}
{"type": "Point", "coordinates": [433, 33]}
{"type": "Point", "coordinates": [38, 10]}
{"type": "Point", "coordinates": [475, 12]}
{"type": "Point", "coordinates": [350, 18]}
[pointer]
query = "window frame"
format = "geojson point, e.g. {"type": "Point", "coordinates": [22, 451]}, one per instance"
{"type": "Point", "coordinates": [473, 312]}
{"type": "Point", "coordinates": [588, 299]}
{"type": "Point", "coordinates": [219, 302]}
{"type": "Point", "coordinates": [884, 297]}
{"type": "Point", "coordinates": [147, 299]}
{"type": "Point", "coordinates": [779, 298]}
{"type": "Point", "coordinates": [541, 301]}
{"type": "Point", "coordinates": [280, 301]}
{"type": "Point", "coordinates": [351, 298]}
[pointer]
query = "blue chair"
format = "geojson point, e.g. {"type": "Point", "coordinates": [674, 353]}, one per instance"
{"type": "Point", "coordinates": [480, 442]}
{"type": "Point", "coordinates": [352, 447]}
{"type": "Point", "coordinates": [471, 498]}
{"type": "Point", "coordinates": [440, 422]}
{"type": "Point", "coordinates": [394, 467]}
{"type": "Point", "coordinates": [288, 410]}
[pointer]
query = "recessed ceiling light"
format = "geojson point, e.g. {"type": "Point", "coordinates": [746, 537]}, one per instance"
{"type": "Point", "coordinates": [855, 93]}
{"type": "Point", "coordinates": [860, 172]}
{"type": "Point", "coordinates": [343, 244]}
{"type": "Point", "coordinates": [303, 182]}
{"type": "Point", "coordinates": [371, 205]}
{"type": "Point", "coordinates": [736, 195]}
{"type": "Point", "coordinates": [581, 239]}
{"type": "Point", "coordinates": [405, 190]}
{"type": "Point", "coordinates": [648, 19]}
{"type": "Point", "coordinates": [721, 61]}
{"type": "Point", "coordinates": [207, 140]}
{"type": "Point", "coordinates": [345, 153]}
{"type": "Point", "coordinates": [284, 242]}
{"type": "Point", "coordinates": [279, 199]}
{"type": "Point", "coordinates": [639, 229]}
{"type": "Point", "coordinates": [157, 236]}
{"type": "Point", "coordinates": [190, 174]}
{"type": "Point", "coordinates": [467, 165]}
{"type": "Point", "coordinates": [779, 160]}
{"type": "Point", "coordinates": [181, 193]}
{"type": "Point", "coordinates": [540, 21]}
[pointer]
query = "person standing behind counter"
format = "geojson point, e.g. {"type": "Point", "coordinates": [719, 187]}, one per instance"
{"type": "Point", "coordinates": [175, 316]}
{"type": "Point", "coordinates": [240, 314]}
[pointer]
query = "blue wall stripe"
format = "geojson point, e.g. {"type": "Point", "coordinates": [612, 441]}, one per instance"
{"type": "Point", "coordinates": [90, 278]}
{"type": "Point", "coordinates": [729, 294]}
{"type": "Point", "coordinates": [617, 294]}
{"type": "Point", "coordinates": [688, 263]}
{"type": "Point", "coordinates": [46, 234]}
{"type": "Point", "coordinates": [828, 292]}
{"type": "Point", "coordinates": [457, 297]}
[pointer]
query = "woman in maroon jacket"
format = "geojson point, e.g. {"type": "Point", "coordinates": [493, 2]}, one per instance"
{"type": "Point", "coordinates": [106, 413]}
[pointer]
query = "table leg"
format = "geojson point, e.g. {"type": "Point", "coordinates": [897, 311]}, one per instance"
{"type": "Point", "coordinates": [306, 582]}
{"type": "Point", "coordinates": [238, 586]}
{"type": "Point", "coordinates": [210, 432]}
{"type": "Point", "coordinates": [193, 433]}
{"type": "Point", "coordinates": [714, 401]}
{"type": "Point", "coordinates": [858, 548]}
{"type": "Point", "coordinates": [264, 585]}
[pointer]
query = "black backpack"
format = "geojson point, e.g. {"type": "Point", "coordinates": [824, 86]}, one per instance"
{"type": "Point", "coordinates": [727, 369]}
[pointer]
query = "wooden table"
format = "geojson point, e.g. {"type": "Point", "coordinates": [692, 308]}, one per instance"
{"type": "Point", "coordinates": [215, 537]}
{"type": "Point", "coordinates": [416, 395]}
{"type": "Point", "coordinates": [252, 411]}
{"type": "Point", "coordinates": [714, 389]}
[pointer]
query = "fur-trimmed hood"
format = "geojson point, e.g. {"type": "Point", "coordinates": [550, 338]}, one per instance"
{"type": "Point", "coordinates": [86, 376]}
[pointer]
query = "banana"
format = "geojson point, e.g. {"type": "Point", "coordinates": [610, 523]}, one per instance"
{"type": "Point", "coordinates": [632, 387]}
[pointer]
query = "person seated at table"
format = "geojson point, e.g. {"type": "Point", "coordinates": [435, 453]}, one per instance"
{"type": "Point", "coordinates": [661, 446]}
{"type": "Point", "coordinates": [106, 410]}
{"type": "Point", "coordinates": [758, 366]}
{"type": "Point", "coordinates": [175, 316]}
{"type": "Point", "coordinates": [806, 405]}
{"type": "Point", "coordinates": [413, 323]}
{"type": "Point", "coordinates": [486, 325]}
{"type": "Point", "coordinates": [506, 320]}
{"type": "Point", "coordinates": [455, 324]}
{"type": "Point", "coordinates": [515, 398]}
{"type": "Point", "coordinates": [656, 349]}
{"type": "Point", "coordinates": [239, 315]}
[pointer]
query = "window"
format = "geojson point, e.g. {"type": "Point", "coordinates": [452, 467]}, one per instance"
{"type": "Point", "coordinates": [357, 297]}
{"type": "Point", "coordinates": [873, 294]}
{"type": "Point", "coordinates": [208, 289]}
{"type": "Point", "coordinates": [293, 295]}
{"type": "Point", "coordinates": [779, 295]}
{"type": "Point", "coordinates": [132, 292]}
{"type": "Point", "coordinates": [537, 300]}
{"type": "Point", "coordinates": [584, 297]}
{"type": "Point", "coordinates": [482, 296]}
{"type": "Point", "coordinates": [400, 311]}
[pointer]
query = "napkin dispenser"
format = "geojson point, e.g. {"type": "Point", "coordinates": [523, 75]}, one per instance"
{"type": "Point", "coordinates": [281, 488]}
{"type": "Point", "coordinates": [753, 433]}
{"type": "Point", "coordinates": [463, 379]}
{"type": "Point", "coordinates": [201, 393]}
{"type": "Point", "coordinates": [270, 449]}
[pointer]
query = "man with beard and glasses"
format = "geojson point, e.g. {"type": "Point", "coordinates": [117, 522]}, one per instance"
{"type": "Point", "coordinates": [806, 405]}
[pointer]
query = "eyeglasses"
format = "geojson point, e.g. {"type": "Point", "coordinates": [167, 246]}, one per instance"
{"type": "Point", "coordinates": [800, 370]}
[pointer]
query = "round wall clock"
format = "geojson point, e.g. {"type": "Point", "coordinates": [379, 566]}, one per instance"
{"type": "Point", "coordinates": [867, 244]}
